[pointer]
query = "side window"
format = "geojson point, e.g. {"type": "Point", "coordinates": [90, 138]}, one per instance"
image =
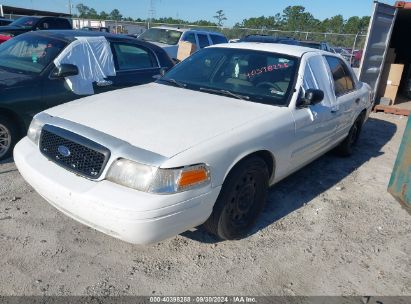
{"type": "Point", "coordinates": [343, 81]}
{"type": "Point", "coordinates": [203, 40]}
{"type": "Point", "coordinates": [60, 24]}
{"type": "Point", "coordinates": [190, 37]}
{"type": "Point", "coordinates": [133, 57]}
{"type": "Point", "coordinates": [45, 24]}
{"type": "Point", "coordinates": [217, 39]}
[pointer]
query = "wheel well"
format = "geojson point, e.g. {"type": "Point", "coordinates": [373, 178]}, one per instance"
{"type": "Point", "coordinates": [15, 118]}
{"type": "Point", "coordinates": [266, 156]}
{"type": "Point", "coordinates": [362, 115]}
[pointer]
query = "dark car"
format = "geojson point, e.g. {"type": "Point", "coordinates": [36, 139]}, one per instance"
{"type": "Point", "coordinates": [4, 21]}
{"type": "Point", "coordinates": [96, 29]}
{"type": "Point", "coordinates": [30, 81]}
{"type": "Point", "coordinates": [324, 46]}
{"type": "Point", "coordinates": [268, 39]}
{"type": "Point", "coordinates": [34, 23]}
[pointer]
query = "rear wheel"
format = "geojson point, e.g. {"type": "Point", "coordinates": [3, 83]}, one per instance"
{"type": "Point", "coordinates": [241, 200]}
{"type": "Point", "coordinates": [8, 137]}
{"type": "Point", "coordinates": [346, 147]}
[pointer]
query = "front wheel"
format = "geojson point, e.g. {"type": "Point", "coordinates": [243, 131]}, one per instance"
{"type": "Point", "coordinates": [241, 200]}
{"type": "Point", "coordinates": [8, 137]}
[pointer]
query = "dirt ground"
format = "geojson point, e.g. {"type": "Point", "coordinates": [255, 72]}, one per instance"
{"type": "Point", "coordinates": [329, 229]}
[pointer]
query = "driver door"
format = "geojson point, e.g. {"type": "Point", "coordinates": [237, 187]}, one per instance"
{"type": "Point", "coordinates": [314, 125]}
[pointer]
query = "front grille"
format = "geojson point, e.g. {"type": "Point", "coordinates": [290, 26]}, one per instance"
{"type": "Point", "coordinates": [73, 152]}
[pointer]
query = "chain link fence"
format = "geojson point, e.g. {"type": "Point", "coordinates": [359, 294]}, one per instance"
{"type": "Point", "coordinates": [351, 41]}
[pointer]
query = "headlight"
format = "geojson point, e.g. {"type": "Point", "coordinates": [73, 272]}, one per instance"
{"type": "Point", "coordinates": [162, 181]}
{"type": "Point", "coordinates": [35, 130]}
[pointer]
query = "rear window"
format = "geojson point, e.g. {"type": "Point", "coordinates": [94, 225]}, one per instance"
{"type": "Point", "coordinates": [217, 39]}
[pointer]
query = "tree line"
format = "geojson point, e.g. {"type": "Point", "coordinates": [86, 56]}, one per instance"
{"type": "Point", "coordinates": [293, 18]}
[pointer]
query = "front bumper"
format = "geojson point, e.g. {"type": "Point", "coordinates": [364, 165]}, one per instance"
{"type": "Point", "coordinates": [121, 212]}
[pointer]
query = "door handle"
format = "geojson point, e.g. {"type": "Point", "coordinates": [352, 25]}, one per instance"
{"type": "Point", "coordinates": [104, 83]}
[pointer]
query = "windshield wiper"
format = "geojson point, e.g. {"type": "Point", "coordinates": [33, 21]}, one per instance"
{"type": "Point", "coordinates": [226, 93]}
{"type": "Point", "coordinates": [173, 81]}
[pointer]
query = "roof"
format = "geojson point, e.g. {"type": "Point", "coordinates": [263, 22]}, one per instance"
{"type": "Point", "coordinates": [70, 35]}
{"type": "Point", "coordinates": [187, 29]}
{"type": "Point", "coordinates": [5, 9]}
{"type": "Point", "coordinates": [292, 50]}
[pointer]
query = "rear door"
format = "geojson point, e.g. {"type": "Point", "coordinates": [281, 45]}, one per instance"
{"type": "Point", "coordinates": [376, 46]}
{"type": "Point", "coordinates": [135, 65]}
{"type": "Point", "coordinates": [346, 96]}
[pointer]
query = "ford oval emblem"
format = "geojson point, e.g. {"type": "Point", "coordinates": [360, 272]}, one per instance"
{"type": "Point", "coordinates": [63, 151]}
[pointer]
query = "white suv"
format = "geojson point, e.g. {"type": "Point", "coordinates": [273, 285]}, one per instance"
{"type": "Point", "coordinates": [169, 37]}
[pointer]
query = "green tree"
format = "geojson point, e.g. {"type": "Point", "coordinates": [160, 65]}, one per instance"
{"type": "Point", "coordinates": [103, 15]}
{"type": "Point", "coordinates": [220, 17]}
{"type": "Point", "coordinates": [295, 18]}
{"type": "Point", "coordinates": [83, 10]}
{"type": "Point", "coordinates": [334, 24]}
{"type": "Point", "coordinates": [115, 15]}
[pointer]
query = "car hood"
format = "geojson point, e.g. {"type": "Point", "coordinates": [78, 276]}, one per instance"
{"type": "Point", "coordinates": [160, 118]}
{"type": "Point", "coordinates": [9, 79]}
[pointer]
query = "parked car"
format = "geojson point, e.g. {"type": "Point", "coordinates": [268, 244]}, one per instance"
{"type": "Point", "coordinates": [343, 52]}
{"type": "Point", "coordinates": [201, 145]}
{"type": "Point", "coordinates": [169, 37]}
{"type": "Point", "coordinates": [4, 21]}
{"type": "Point", "coordinates": [30, 81]}
{"type": "Point", "coordinates": [34, 23]}
{"type": "Point", "coordinates": [357, 56]}
{"type": "Point", "coordinates": [324, 46]}
{"type": "Point", "coordinates": [96, 29]}
{"type": "Point", "coordinates": [268, 39]}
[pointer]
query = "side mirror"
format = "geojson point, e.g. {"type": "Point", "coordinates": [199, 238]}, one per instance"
{"type": "Point", "coordinates": [162, 72]}
{"type": "Point", "coordinates": [65, 70]}
{"type": "Point", "coordinates": [311, 97]}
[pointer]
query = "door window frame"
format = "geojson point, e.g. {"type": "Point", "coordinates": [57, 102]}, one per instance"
{"type": "Point", "coordinates": [150, 52]}
{"type": "Point", "coordinates": [347, 71]}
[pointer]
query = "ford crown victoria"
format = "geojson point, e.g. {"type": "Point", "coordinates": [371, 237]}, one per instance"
{"type": "Point", "coordinates": [200, 146]}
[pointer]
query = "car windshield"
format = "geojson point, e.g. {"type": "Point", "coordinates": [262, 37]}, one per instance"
{"type": "Point", "coordinates": [251, 75]}
{"type": "Point", "coordinates": [29, 54]}
{"type": "Point", "coordinates": [25, 22]}
{"type": "Point", "coordinates": [165, 36]}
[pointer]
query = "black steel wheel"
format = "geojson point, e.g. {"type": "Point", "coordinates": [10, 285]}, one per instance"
{"type": "Point", "coordinates": [345, 148]}
{"type": "Point", "coordinates": [241, 200]}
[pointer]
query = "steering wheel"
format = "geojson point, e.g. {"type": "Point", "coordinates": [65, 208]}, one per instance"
{"type": "Point", "coordinates": [269, 85]}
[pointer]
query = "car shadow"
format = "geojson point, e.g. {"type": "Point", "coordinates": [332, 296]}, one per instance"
{"type": "Point", "coordinates": [326, 172]}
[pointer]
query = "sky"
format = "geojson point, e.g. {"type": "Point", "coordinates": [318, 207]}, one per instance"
{"type": "Point", "coordinates": [191, 10]}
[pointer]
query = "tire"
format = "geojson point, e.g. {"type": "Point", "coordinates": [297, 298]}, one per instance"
{"type": "Point", "coordinates": [345, 148]}
{"type": "Point", "coordinates": [240, 201]}
{"type": "Point", "coordinates": [8, 137]}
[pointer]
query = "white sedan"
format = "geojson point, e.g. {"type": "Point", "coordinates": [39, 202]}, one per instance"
{"type": "Point", "coordinates": [200, 146]}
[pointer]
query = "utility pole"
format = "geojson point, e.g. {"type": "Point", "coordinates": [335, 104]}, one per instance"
{"type": "Point", "coordinates": [70, 6]}
{"type": "Point", "coordinates": [151, 13]}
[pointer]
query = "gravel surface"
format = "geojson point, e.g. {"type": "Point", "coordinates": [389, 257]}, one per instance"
{"type": "Point", "coordinates": [329, 229]}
